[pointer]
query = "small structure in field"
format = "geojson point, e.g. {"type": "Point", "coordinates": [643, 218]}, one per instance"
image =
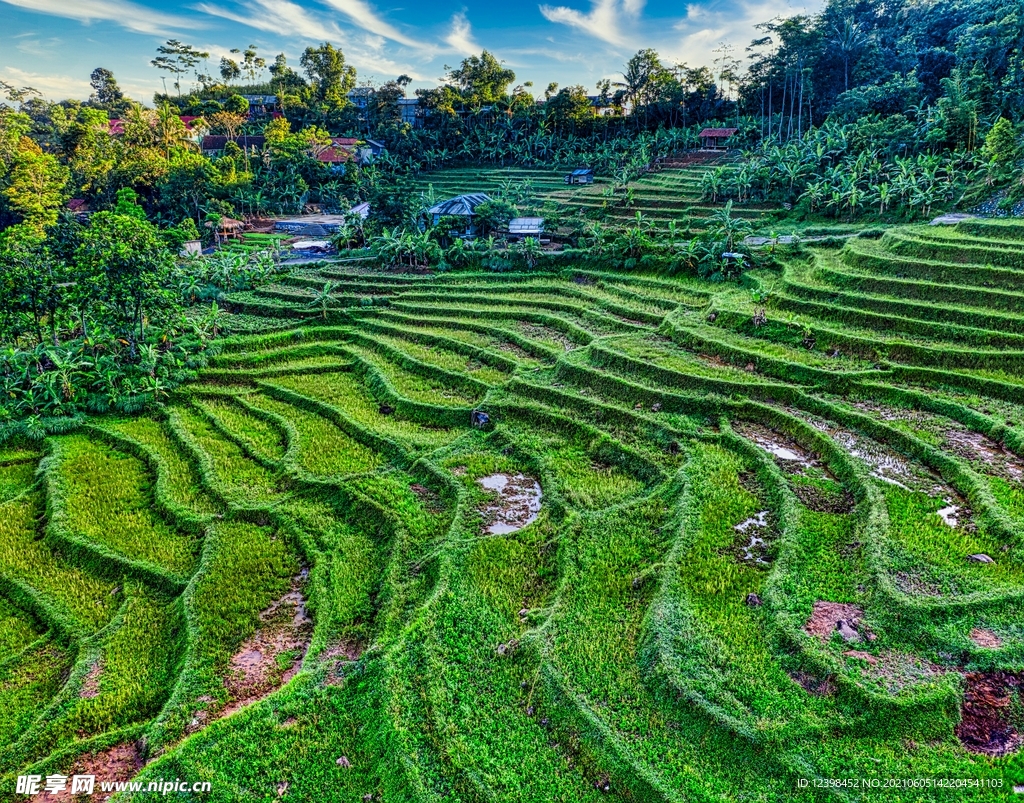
{"type": "Point", "coordinates": [716, 139]}
{"type": "Point", "coordinates": [363, 210]}
{"type": "Point", "coordinates": [463, 206]}
{"type": "Point", "coordinates": [227, 228]}
{"type": "Point", "coordinates": [520, 228]}
{"type": "Point", "coordinates": [581, 175]}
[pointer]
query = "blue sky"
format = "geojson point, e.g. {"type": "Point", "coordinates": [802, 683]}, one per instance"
{"type": "Point", "coordinates": [53, 45]}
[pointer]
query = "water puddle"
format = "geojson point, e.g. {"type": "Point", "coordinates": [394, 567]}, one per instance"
{"type": "Point", "coordinates": [757, 531]}
{"type": "Point", "coordinates": [517, 502]}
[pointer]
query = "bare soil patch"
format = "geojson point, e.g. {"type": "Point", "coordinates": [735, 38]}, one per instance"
{"type": "Point", "coordinates": [986, 724]}
{"type": "Point", "coordinates": [273, 654]}
{"type": "Point", "coordinates": [119, 763]}
{"type": "Point", "coordinates": [91, 684]}
{"type": "Point", "coordinates": [986, 638]}
{"type": "Point", "coordinates": [827, 616]}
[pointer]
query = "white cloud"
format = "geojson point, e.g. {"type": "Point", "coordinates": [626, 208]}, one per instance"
{"type": "Point", "coordinates": [362, 15]}
{"type": "Point", "coordinates": [55, 87]}
{"type": "Point", "coordinates": [608, 20]}
{"type": "Point", "coordinates": [460, 38]}
{"type": "Point", "coordinates": [276, 16]}
{"type": "Point", "coordinates": [40, 48]}
{"type": "Point", "coordinates": [128, 15]}
{"type": "Point", "coordinates": [705, 27]}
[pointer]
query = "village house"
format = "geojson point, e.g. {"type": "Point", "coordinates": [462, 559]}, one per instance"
{"type": "Point", "coordinates": [462, 206]}
{"type": "Point", "coordinates": [716, 139]}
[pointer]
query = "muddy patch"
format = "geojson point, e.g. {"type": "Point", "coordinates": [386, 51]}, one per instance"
{"type": "Point", "coordinates": [538, 332]}
{"type": "Point", "coordinates": [837, 617]}
{"type": "Point", "coordinates": [810, 480]}
{"type": "Point", "coordinates": [120, 763]}
{"type": "Point", "coordinates": [515, 350]}
{"type": "Point", "coordinates": [787, 452]}
{"type": "Point", "coordinates": [755, 540]}
{"type": "Point", "coordinates": [884, 463]}
{"type": "Point", "coordinates": [895, 671]}
{"type": "Point", "coordinates": [428, 496]}
{"type": "Point", "coordinates": [986, 638]}
{"type": "Point", "coordinates": [516, 502]}
{"type": "Point", "coordinates": [987, 713]}
{"type": "Point", "coordinates": [273, 654]}
{"type": "Point", "coordinates": [816, 686]}
{"type": "Point", "coordinates": [987, 456]}
{"type": "Point", "coordinates": [91, 684]}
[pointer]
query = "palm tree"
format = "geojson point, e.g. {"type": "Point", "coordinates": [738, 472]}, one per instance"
{"type": "Point", "coordinates": [322, 299]}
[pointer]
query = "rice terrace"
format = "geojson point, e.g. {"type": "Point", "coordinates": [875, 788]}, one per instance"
{"type": "Point", "coordinates": [658, 446]}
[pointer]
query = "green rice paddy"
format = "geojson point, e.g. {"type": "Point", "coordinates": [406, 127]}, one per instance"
{"type": "Point", "coordinates": [706, 547]}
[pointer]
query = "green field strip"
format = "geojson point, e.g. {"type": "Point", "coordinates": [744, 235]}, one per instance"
{"type": "Point", "coordinates": [947, 334]}
{"type": "Point", "coordinates": [251, 303]}
{"type": "Point", "coordinates": [346, 393]}
{"type": "Point", "coordinates": [590, 469]}
{"type": "Point", "coordinates": [482, 335]}
{"type": "Point", "coordinates": [782, 357]}
{"type": "Point", "coordinates": [593, 644]}
{"type": "Point", "coordinates": [872, 256]}
{"type": "Point", "coordinates": [800, 281]}
{"type": "Point", "coordinates": [16, 477]}
{"type": "Point", "coordinates": [837, 274]}
{"type": "Point", "coordinates": [605, 322]}
{"type": "Point", "coordinates": [837, 336]}
{"type": "Point", "coordinates": [101, 510]}
{"type": "Point", "coordinates": [28, 682]}
{"type": "Point", "coordinates": [297, 354]}
{"type": "Point", "coordinates": [486, 356]}
{"type": "Point", "coordinates": [18, 630]}
{"type": "Point", "coordinates": [660, 350]}
{"type": "Point", "coordinates": [323, 449]}
{"type": "Point", "coordinates": [488, 368]}
{"type": "Point", "coordinates": [121, 676]}
{"type": "Point", "coordinates": [575, 332]}
{"type": "Point", "coordinates": [62, 596]}
{"type": "Point", "coordinates": [263, 438]}
{"type": "Point", "coordinates": [226, 471]}
{"type": "Point", "coordinates": [908, 242]}
{"type": "Point", "coordinates": [419, 381]}
{"type": "Point", "coordinates": [251, 348]}
{"type": "Point", "coordinates": [243, 570]}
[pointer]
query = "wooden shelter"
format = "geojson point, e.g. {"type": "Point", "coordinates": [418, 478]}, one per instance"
{"type": "Point", "coordinates": [581, 175]}
{"type": "Point", "coordinates": [716, 139]}
{"type": "Point", "coordinates": [227, 228]}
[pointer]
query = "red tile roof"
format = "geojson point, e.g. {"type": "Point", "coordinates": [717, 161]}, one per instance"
{"type": "Point", "coordinates": [340, 150]}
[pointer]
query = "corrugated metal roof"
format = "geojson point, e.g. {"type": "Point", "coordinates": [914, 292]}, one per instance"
{"type": "Point", "coordinates": [581, 171]}
{"type": "Point", "coordinates": [463, 205]}
{"type": "Point", "coordinates": [718, 132]}
{"type": "Point", "coordinates": [525, 225]}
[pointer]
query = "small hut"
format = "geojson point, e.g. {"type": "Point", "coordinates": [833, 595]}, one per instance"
{"type": "Point", "coordinates": [463, 206]}
{"type": "Point", "coordinates": [581, 175]}
{"type": "Point", "coordinates": [716, 139]}
{"type": "Point", "coordinates": [226, 228]}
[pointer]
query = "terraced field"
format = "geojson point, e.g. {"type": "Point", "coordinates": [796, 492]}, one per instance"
{"type": "Point", "coordinates": [673, 194]}
{"type": "Point", "coordinates": [703, 546]}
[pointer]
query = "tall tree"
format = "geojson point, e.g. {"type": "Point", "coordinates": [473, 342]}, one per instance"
{"type": "Point", "coordinates": [178, 58]}
{"type": "Point", "coordinates": [482, 79]}
{"type": "Point", "coordinates": [331, 78]}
